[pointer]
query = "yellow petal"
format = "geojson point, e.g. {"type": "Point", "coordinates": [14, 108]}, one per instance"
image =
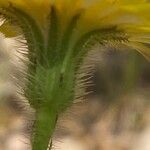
{"type": "Point", "coordinates": [38, 9]}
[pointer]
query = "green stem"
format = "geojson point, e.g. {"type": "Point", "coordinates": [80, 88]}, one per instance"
{"type": "Point", "coordinates": [44, 128]}
{"type": "Point", "coordinates": [56, 91]}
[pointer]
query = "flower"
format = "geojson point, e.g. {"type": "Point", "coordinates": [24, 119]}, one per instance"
{"type": "Point", "coordinates": [132, 17]}
{"type": "Point", "coordinates": [59, 33]}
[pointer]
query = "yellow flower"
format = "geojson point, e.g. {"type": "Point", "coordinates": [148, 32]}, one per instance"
{"type": "Point", "coordinates": [132, 17]}
{"type": "Point", "coordinates": [94, 9]}
{"type": "Point", "coordinates": [59, 34]}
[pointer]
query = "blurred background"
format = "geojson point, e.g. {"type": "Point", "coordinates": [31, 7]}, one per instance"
{"type": "Point", "coordinates": [114, 116]}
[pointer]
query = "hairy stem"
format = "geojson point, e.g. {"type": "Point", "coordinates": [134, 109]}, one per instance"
{"type": "Point", "coordinates": [44, 127]}
{"type": "Point", "coordinates": [54, 89]}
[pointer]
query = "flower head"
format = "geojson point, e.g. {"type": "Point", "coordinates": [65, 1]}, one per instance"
{"type": "Point", "coordinates": [59, 33]}
{"type": "Point", "coordinates": [132, 17]}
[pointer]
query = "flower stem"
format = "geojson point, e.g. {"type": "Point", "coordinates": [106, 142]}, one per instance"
{"type": "Point", "coordinates": [44, 128]}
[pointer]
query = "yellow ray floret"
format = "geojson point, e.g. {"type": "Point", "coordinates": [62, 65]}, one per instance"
{"type": "Point", "coordinates": [132, 16]}
{"type": "Point", "coordinates": [36, 8]}
{"type": "Point", "coordinates": [100, 12]}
